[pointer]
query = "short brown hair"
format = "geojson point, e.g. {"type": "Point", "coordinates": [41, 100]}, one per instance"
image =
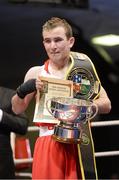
{"type": "Point", "coordinates": [55, 22]}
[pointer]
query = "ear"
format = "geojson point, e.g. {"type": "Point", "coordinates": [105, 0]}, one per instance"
{"type": "Point", "coordinates": [43, 42]}
{"type": "Point", "coordinates": [71, 41]}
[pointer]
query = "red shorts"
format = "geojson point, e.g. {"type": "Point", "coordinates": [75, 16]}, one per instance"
{"type": "Point", "coordinates": [55, 160]}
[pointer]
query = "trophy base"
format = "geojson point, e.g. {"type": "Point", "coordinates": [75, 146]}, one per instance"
{"type": "Point", "coordinates": [67, 135]}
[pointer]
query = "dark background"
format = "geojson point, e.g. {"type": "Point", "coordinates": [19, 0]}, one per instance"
{"type": "Point", "coordinates": [21, 48]}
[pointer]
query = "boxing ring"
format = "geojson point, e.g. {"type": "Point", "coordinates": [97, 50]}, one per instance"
{"type": "Point", "coordinates": [95, 124]}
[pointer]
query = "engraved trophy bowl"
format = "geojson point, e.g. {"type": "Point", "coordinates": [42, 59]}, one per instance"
{"type": "Point", "coordinates": [70, 112]}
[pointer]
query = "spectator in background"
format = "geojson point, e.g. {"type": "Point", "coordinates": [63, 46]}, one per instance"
{"type": "Point", "coordinates": [9, 122]}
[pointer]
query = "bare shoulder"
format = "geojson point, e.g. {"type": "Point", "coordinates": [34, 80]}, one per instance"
{"type": "Point", "coordinates": [83, 56]}
{"type": "Point", "coordinates": [32, 72]}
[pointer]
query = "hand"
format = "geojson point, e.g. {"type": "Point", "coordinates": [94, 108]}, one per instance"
{"type": "Point", "coordinates": [39, 85]}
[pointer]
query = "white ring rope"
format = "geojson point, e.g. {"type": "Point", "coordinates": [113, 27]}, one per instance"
{"type": "Point", "coordinates": [24, 174]}
{"type": "Point", "coordinates": [33, 128]}
{"type": "Point", "coordinates": [106, 153]}
{"type": "Point", "coordinates": [105, 123]}
{"type": "Point", "coordinates": [97, 154]}
{"type": "Point", "coordinates": [93, 124]}
{"type": "Point", "coordinates": [25, 160]}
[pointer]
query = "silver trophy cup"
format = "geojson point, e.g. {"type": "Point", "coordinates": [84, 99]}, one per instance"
{"type": "Point", "coordinates": [70, 112]}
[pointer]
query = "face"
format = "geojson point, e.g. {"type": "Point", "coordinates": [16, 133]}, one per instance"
{"type": "Point", "coordinates": [57, 45]}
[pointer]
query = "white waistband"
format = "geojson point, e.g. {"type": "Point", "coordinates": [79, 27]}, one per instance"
{"type": "Point", "coordinates": [44, 131]}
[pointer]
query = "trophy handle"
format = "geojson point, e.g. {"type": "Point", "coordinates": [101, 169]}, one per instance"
{"type": "Point", "coordinates": [47, 106]}
{"type": "Point", "coordinates": [94, 109]}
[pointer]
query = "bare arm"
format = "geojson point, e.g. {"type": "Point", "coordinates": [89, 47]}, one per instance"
{"type": "Point", "coordinates": [20, 105]}
{"type": "Point", "coordinates": [103, 102]}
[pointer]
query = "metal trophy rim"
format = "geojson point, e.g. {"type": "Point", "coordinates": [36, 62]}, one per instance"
{"type": "Point", "coordinates": [74, 102]}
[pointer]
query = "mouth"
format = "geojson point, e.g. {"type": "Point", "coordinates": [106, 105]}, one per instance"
{"type": "Point", "coordinates": [54, 53]}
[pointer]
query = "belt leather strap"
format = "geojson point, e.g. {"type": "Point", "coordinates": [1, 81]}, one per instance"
{"type": "Point", "coordinates": [84, 68]}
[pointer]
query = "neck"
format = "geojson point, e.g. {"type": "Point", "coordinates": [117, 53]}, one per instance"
{"type": "Point", "coordinates": [58, 69]}
{"type": "Point", "coordinates": [59, 65]}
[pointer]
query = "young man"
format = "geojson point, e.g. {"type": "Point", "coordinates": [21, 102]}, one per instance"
{"type": "Point", "coordinates": [52, 159]}
{"type": "Point", "coordinates": [9, 122]}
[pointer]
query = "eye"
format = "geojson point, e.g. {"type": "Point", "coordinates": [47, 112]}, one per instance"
{"type": "Point", "coordinates": [47, 41]}
{"type": "Point", "coordinates": [58, 39]}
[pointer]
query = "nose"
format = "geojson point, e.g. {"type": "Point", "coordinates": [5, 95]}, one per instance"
{"type": "Point", "coordinates": [53, 44]}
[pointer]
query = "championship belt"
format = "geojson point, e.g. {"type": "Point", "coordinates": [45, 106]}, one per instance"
{"type": "Point", "coordinates": [86, 86]}
{"type": "Point", "coordinates": [84, 76]}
